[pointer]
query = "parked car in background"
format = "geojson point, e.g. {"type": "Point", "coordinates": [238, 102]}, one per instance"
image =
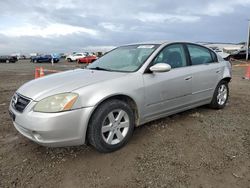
{"type": "Point", "coordinates": [240, 54]}
{"type": "Point", "coordinates": [129, 86]}
{"type": "Point", "coordinates": [62, 55]}
{"type": "Point", "coordinates": [87, 59]}
{"type": "Point", "coordinates": [224, 55]}
{"type": "Point", "coordinates": [8, 59]}
{"type": "Point", "coordinates": [76, 56]}
{"type": "Point", "coordinates": [99, 54]}
{"type": "Point", "coordinates": [32, 55]}
{"type": "Point", "coordinates": [45, 58]}
{"type": "Point", "coordinates": [19, 56]}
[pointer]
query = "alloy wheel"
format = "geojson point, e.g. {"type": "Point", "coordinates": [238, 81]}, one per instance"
{"type": "Point", "coordinates": [115, 126]}
{"type": "Point", "coordinates": [222, 94]}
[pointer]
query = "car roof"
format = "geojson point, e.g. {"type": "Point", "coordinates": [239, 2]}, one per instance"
{"type": "Point", "coordinates": [148, 42]}
{"type": "Point", "coordinates": [158, 42]}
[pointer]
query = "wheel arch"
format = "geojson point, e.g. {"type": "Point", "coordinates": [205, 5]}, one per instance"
{"type": "Point", "coordinates": [227, 79]}
{"type": "Point", "coordinates": [123, 97]}
{"type": "Point", "coordinates": [129, 100]}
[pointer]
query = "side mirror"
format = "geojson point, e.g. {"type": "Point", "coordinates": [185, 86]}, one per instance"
{"type": "Point", "coordinates": [160, 67]}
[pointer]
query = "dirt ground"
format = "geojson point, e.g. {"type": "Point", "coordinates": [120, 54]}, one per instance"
{"type": "Point", "coordinates": [198, 148]}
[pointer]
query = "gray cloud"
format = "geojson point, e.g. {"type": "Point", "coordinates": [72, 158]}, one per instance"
{"type": "Point", "coordinates": [72, 25]}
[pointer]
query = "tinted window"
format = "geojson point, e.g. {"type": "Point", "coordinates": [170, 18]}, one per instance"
{"type": "Point", "coordinates": [174, 55]}
{"type": "Point", "coordinates": [199, 55]}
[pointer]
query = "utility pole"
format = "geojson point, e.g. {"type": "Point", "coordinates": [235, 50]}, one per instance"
{"type": "Point", "coordinates": [248, 38]}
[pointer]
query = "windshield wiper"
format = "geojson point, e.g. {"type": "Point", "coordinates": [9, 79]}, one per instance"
{"type": "Point", "coordinates": [99, 68]}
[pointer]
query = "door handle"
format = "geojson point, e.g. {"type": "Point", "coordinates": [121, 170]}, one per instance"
{"type": "Point", "coordinates": [217, 71]}
{"type": "Point", "coordinates": [188, 78]}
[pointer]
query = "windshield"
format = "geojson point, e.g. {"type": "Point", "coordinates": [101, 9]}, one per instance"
{"type": "Point", "coordinates": [124, 59]}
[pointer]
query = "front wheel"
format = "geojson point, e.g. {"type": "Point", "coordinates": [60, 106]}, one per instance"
{"type": "Point", "coordinates": [111, 126]}
{"type": "Point", "coordinates": [220, 96]}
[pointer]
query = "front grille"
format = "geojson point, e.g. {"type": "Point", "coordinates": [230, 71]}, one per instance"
{"type": "Point", "coordinates": [19, 102]}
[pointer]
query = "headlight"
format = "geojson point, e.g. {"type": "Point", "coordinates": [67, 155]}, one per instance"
{"type": "Point", "coordinates": [56, 103]}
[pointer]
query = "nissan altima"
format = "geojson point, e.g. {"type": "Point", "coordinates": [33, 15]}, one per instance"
{"type": "Point", "coordinates": [127, 87]}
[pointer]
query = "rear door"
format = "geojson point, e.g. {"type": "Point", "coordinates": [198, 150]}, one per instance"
{"type": "Point", "coordinates": [205, 72]}
{"type": "Point", "coordinates": [168, 91]}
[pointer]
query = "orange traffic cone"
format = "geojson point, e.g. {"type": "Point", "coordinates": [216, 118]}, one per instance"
{"type": "Point", "coordinates": [247, 76]}
{"type": "Point", "coordinates": [41, 72]}
{"type": "Point", "coordinates": [37, 74]}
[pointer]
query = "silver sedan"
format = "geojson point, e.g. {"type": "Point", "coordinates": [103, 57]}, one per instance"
{"type": "Point", "coordinates": [129, 86]}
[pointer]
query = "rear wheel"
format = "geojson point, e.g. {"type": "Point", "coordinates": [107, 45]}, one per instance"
{"type": "Point", "coordinates": [69, 60]}
{"type": "Point", "coordinates": [220, 96]}
{"type": "Point", "coordinates": [7, 61]}
{"type": "Point", "coordinates": [111, 126]}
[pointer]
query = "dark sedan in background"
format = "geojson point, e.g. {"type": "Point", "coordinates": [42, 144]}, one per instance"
{"type": "Point", "coordinates": [45, 58]}
{"type": "Point", "coordinates": [8, 59]}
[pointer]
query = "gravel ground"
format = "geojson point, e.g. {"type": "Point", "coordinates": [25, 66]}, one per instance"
{"type": "Point", "coordinates": [197, 148]}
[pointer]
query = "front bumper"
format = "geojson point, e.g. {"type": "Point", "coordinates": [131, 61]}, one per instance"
{"type": "Point", "coordinates": [53, 129]}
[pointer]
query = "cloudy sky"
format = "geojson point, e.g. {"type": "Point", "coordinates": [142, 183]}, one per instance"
{"type": "Point", "coordinates": [73, 25]}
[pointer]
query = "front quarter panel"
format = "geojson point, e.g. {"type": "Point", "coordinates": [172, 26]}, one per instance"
{"type": "Point", "coordinates": [130, 85]}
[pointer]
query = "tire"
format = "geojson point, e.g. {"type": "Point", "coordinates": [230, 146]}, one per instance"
{"type": "Point", "coordinates": [35, 61]}
{"type": "Point", "coordinates": [220, 99]}
{"type": "Point", "coordinates": [105, 132]}
{"type": "Point", "coordinates": [69, 60]}
{"type": "Point", "coordinates": [7, 61]}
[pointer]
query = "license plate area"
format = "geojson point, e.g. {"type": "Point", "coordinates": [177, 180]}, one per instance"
{"type": "Point", "coordinates": [12, 115]}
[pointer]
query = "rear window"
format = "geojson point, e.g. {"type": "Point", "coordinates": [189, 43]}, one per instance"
{"type": "Point", "coordinates": [199, 55]}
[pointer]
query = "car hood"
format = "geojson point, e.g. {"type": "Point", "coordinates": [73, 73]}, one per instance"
{"type": "Point", "coordinates": [67, 81]}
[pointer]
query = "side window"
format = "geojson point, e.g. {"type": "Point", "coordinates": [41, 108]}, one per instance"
{"type": "Point", "coordinates": [199, 55]}
{"type": "Point", "coordinates": [174, 55]}
{"type": "Point", "coordinates": [214, 57]}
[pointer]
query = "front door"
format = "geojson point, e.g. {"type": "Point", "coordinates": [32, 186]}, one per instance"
{"type": "Point", "coordinates": [168, 91]}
